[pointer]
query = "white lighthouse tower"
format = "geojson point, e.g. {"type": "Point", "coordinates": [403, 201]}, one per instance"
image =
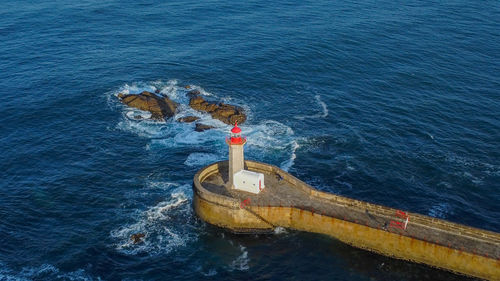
{"type": "Point", "coordinates": [239, 178]}
{"type": "Point", "coordinates": [236, 158]}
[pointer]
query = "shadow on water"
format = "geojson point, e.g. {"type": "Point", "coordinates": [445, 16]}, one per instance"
{"type": "Point", "coordinates": [294, 255]}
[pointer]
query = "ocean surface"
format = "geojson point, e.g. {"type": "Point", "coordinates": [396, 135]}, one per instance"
{"type": "Point", "coordinates": [392, 102]}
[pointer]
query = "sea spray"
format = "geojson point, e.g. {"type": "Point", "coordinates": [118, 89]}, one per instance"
{"type": "Point", "coordinates": [267, 140]}
{"type": "Point", "coordinates": [161, 225]}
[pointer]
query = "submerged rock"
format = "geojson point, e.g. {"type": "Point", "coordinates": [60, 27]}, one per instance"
{"type": "Point", "coordinates": [160, 107]}
{"type": "Point", "coordinates": [188, 119]}
{"type": "Point", "coordinates": [193, 93]}
{"type": "Point", "coordinates": [226, 113]}
{"type": "Point", "coordinates": [137, 238]}
{"type": "Point", "coordinates": [202, 127]}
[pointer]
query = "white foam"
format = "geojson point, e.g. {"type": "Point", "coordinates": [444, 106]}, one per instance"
{"type": "Point", "coordinates": [268, 134]}
{"type": "Point", "coordinates": [241, 262]}
{"type": "Point", "coordinates": [203, 92]}
{"type": "Point", "coordinates": [138, 114]}
{"type": "Point", "coordinates": [286, 165]}
{"type": "Point", "coordinates": [170, 90]}
{"type": "Point", "coordinates": [160, 225]}
{"type": "Point", "coordinates": [135, 88]}
{"type": "Point", "coordinates": [169, 133]}
{"type": "Point", "coordinates": [274, 140]}
{"type": "Point", "coordinates": [185, 110]}
{"type": "Point", "coordinates": [323, 107]}
{"type": "Point", "coordinates": [159, 212]}
{"type": "Point", "coordinates": [280, 230]}
{"type": "Point", "coordinates": [162, 185]}
{"type": "Point", "coordinates": [142, 128]}
{"type": "Point", "coordinates": [269, 140]}
{"type": "Point", "coordinates": [183, 135]}
{"type": "Point", "coordinates": [202, 159]}
{"type": "Point", "coordinates": [323, 110]}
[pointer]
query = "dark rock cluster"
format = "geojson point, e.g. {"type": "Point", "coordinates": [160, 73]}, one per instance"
{"type": "Point", "coordinates": [137, 237]}
{"type": "Point", "coordinates": [226, 113]}
{"type": "Point", "coordinates": [161, 107]}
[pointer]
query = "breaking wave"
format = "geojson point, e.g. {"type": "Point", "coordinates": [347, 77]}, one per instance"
{"type": "Point", "coordinates": [241, 262]}
{"type": "Point", "coordinates": [161, 226]}
{"type": "Point", "coordinates": [268, 141]}
{"type": "Point", "coordinates": [280, 230]}
{"type": "Point", "coordinates": [286, 165]}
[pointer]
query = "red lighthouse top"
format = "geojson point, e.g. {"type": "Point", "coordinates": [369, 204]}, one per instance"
{"type": "Point", "coordinates": [236, 135]}
{"type": "Point", "coordinates": [236, 129]}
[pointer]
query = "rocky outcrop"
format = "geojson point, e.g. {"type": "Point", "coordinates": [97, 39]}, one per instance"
{"type": "Point", "coordinates": [226, 113]}
{"type": "Point", "coordinates": [202, 127]}
{"type": "Point", "coordinates": [188, 119]}
{"type": "Point", "coordinates": [137, 238]}
{"type": "Point", "coordinates": [193, 93]}
{"type": "Point", "coordinates": [160, 107]}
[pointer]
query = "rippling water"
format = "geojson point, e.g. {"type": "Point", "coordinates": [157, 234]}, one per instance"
{"type": "Point", "coordinates": [392, 103]}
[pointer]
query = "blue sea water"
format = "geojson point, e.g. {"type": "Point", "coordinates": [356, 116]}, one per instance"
{"type": "Point", "coordinates": [396, 103]}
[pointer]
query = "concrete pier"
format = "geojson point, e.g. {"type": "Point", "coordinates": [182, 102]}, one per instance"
{"type": "Point", "coordinates": [288, 202]}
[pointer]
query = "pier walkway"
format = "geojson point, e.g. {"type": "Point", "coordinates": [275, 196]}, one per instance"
{"type": "Point", "coordinates": [288, 202]}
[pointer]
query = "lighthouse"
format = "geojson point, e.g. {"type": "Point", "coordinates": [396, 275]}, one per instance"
{"type": "Point", "coordinates": [239, 178]}
{"type": "Point", "coordinates": [236, 158]}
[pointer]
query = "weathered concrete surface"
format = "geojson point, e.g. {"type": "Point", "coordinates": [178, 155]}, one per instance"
{"type": "Point", "coordinates": [288, 202]}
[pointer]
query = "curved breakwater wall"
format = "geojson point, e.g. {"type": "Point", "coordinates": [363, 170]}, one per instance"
{"type": "Point", "coordinates": [459, 248]}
